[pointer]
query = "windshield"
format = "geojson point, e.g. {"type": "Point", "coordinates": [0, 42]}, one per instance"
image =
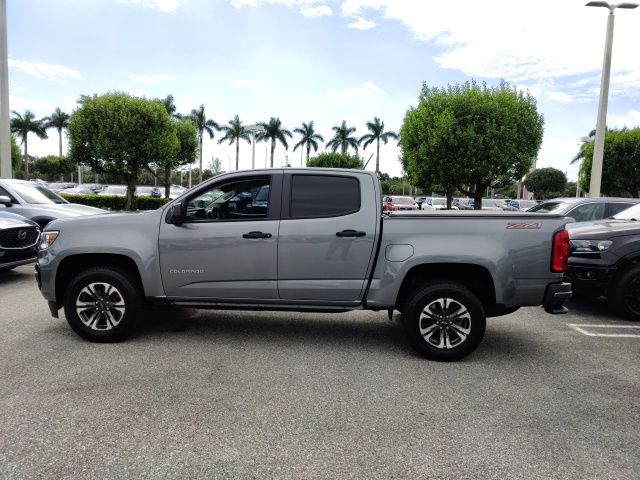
{"type": "Point", "coordinates": [549, 207]}
{"type": "Point", "coordinates": [36, 194]}
{"type": "Point", "coordinates": [631, 213]}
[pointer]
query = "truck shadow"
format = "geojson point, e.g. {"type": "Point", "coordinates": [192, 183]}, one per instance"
{"type": "Point", "coordinates": [274, 327]}
{"type": "Point", "coordinates": [364, 331]}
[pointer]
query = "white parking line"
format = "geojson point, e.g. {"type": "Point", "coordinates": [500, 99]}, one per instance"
{"type": "Point", "coordinates": [580, 327]}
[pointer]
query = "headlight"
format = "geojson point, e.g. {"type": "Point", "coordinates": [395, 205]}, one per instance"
{"type": "Point", "coordinates": [47, 239]}
{"type": "Point", "coordinates": [590, 246]}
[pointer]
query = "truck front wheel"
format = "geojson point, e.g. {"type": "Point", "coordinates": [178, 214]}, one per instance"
{"type": "Point", "coordinates": [444, 321]}
{"type": "Point", "coordinates": [101, 304]}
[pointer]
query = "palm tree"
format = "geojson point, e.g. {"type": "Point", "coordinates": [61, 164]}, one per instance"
{"type": "Point", "coordinates": [22, 126]}
{"type": "Point", "coordinates": [234, 132]}
{"type": "Point", "coordinates": [377, 133]}
{"type": "Point", "coordinates": [203, 125]}
{"type": "Point", "coordinates": [273, 131]}
{"type": "Point", "coordinates": [309, 138]}
{"type": "Point", "coordinates": [58, 120]}
{"type": "Point", "coordinates": [343, 139]}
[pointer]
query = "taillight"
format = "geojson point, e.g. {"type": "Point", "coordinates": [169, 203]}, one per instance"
{"type": "Point", "coordinates": [560, 251]}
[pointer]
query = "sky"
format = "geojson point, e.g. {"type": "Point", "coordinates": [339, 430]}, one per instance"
{"type": "Point", "coordinates": [323, 61]}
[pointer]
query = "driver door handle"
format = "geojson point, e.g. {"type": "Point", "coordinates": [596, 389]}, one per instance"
{"type": "Point", "coordinates": [256, 235]}
{"type": "Point", "coordinates": [350, 233]}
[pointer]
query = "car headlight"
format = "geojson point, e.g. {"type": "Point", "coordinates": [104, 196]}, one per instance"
{"type": "Point", "coordinates": [590, 246]}
{"type": "Point", "coordinates": [47, 238]}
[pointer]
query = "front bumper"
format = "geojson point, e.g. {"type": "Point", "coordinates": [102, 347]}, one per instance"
{"type": "Point", "coordinates": [555, 296]}
{"type": "Point", "coordinates": [16, 263]}
{"type": "Point", "coordinates": [589, 280]}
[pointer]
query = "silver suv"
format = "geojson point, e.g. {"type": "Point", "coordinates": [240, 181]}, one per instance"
{"type": "Point", "coordinates": [38, 203]}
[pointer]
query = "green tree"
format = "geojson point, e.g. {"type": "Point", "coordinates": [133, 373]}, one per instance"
{"type": "Point", "coordinates": [273, 131]}
{"type": "Point", "coordinates": [342, 138]}
{"type": "Point", "coordinates": [187, 136]}
{"type": "Point", "coordinates": [22, 126]}
{"type": "Point", "coordinates": [203, 124]}
{"type": "Point", "coordinates": [309, 138]}
{"type": "Point", "coordinates": [377, 133]}
{"type": "Point", "coordinates": [53, 167]}
{"type": "Point", "coordinates": [120, 134]}
{"type": "Point", "coordinates": [620, 166]}
{"type": "Point", "coordinates": [335, 160]}
{"type": "Point", "coordinates": [546, 182]}
{"type": "Point", "coordinates": [16, 155]}
{"type": "Point", "coordinates": [471, 137]}
{"type": "Point", "coordinates": [58, 120]}
{"type": "Point", "coordinates": [233, 133]}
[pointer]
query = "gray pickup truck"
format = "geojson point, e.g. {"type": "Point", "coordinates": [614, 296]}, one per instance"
{"type": "Point", "coordinates": [305, 240]}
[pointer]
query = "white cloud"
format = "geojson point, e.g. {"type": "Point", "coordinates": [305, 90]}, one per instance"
{"type": "Point", "coordinates": [162, 5]}
{"type": "Point", "coordinates": [240, 83]}
{"type": "Point", "coordinates": [20, 103]}
{"type": "Point", "coordinates": [44, 70]}
{"type": "Point", "coordinates": [244, 3]}
{"type": "Point", "coordinates": [546, 39]}
{"type": "Point", "coordinates": [362, 24]}
{"type": "Point", "coordinates": [630, 120]}
{"type": "Point", "coordinates": [316, 11]}
{"type": "Point", "coordinates": [364, 91]}
{"type": "Point", "coordinates": [151, 79]}
{"type": "Point", "coordinates": [558, 96]}
{"type": "Point", "coordinates": [308, 8]}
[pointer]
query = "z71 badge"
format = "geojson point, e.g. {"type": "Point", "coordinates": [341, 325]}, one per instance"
{"type": "Point", "coordinates": [524, 226]}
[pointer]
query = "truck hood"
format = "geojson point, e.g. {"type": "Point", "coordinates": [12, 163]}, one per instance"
{"type": "Point", "coordinates": [102, 220]}
{"type": "Point", "coordinates": [603, 229]}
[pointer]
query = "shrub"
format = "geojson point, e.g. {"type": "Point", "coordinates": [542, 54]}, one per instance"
{"type": "Point", "coordinates": [115, 202]}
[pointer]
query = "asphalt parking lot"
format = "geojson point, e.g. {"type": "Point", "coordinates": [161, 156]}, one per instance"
{"type": "Point", "coordinates": [270, 395]}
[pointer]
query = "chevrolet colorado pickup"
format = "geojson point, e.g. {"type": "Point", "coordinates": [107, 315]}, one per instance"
{"type": "Point", "coordinates": [304, 240]}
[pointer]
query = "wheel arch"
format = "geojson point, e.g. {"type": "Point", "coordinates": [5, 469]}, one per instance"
{"type": "Point", "coordinates": [475, 277]}
{"type": "Point", "coordinates": [72, 265]}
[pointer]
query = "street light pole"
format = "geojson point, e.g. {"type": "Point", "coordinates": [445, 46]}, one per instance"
{"type": "Point", "coordinates": [598, 148]}
{"type": "Point", "coordinates": [5, 135]}
{"type": "Point", "coordinates": [253, 128]}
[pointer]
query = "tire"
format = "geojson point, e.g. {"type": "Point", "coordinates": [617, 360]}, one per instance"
{"type": "Point", "coordinates": [444, 321]}
{"type": "Point", "coordinates": [101, 304]}
{"type": "Point", "coordinates": [624, 293]}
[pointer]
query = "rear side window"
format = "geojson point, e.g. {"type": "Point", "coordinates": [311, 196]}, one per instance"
{"type": "Point", "coordinates": [587, 212]}
{"type": "Point", "coordinates": [324, 196]}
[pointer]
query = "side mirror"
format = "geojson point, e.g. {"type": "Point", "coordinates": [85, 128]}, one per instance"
{"type": "Point", "coordinates": [4, 200]}
{"type": "Point", "coordinates": [177, 213]}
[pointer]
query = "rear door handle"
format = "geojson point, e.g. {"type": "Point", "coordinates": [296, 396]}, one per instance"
{"type": "Point", "coordinates": [350, 233]}
{"type": "Point", "coordinates": [256, 235]}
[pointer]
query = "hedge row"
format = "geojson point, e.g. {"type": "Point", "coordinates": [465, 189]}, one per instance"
{"type": "Point", "coordinates": [115, 202]}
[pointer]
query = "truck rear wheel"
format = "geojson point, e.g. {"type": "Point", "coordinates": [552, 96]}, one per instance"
{"type": "Point", "coordinates": [624, 294]}
{"type": "Point", "coordinates": [444, 321]}
{"type": "Point", "coordinates": [101, 304]}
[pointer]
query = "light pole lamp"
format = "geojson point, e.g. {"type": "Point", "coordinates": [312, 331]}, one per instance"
{"type": "Point", "coordinates": [253, 128]}
{"type": "Point", "coordinates": [598, 148]}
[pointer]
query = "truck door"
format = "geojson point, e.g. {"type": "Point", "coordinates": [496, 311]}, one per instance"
{"type": "Point", "coordinates": [225, 250]}
{"type": "Point", "coordinates": [327, 233]}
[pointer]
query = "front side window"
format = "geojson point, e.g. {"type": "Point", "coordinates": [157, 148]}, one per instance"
{"type": "Point", "coordinates": [324, 196]}
{"type": "Point", "coordinates": [246, 199]}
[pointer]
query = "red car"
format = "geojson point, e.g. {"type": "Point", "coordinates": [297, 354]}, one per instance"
{"type": "Point", "coordinates": [393, 203]}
